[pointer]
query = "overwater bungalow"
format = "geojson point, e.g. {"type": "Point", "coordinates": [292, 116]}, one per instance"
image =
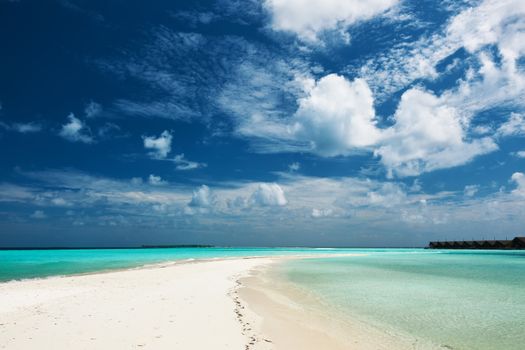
{"type": "Point", "coordinates": [516, 243]}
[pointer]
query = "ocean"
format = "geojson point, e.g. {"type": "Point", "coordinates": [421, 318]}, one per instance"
{"type": "Point", "coordinates": [455, 299]}
{"type": "Point", "coordinates": [23, 264]}
{"type": "Point", "coordinates": [450, 299]}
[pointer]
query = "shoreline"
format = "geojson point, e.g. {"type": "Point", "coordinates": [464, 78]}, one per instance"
{"type": "Point", "coordinates": [286, 317]}
{"type": "Point", "coordinates": [220, 303]}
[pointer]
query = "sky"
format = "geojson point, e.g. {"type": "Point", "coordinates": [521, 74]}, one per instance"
{"type": "Point", "coordinates": [261, 122]}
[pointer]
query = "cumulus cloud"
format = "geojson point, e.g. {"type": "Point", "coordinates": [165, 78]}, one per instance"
{"type": "Point", "coordinates": [427, 135]}
{"type": "Point", "coordinates": [337, 116]}
{"type": "Point", "coordinates": [309, 18]}
{"type": "Point", "coordinates": [268, 195]}
{"type": "Point", "coordinates": [202, 198]}
{"type": "Point", "coordinates": [155, 180]}
{"type": "Point", "coordinates": [75, 130]}
{"type": "Point", "coordinates": [519, 179]}
{"type": "Point", "coordinates": [159, 146]}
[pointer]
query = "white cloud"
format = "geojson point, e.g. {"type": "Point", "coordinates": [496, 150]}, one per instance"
{"type": "Point", "coordinates": [38, 214]}
{"type": "Point", "coordinates": [471, 190]}
{"type": "Point", "coordinates": [75, 130]}
{"type": "Point", "coordinates": [185, 164]}
{"type": "Point", "coordinates": [519, 154]}
{"type": "Point", "coordinates": [519, 179]}
{"type": "Point", "coordinates": [60, 202]}
{"type": "Point", "coordinates": [487, 84]}
{"type": "Point", "coordinates": [268, 195]}
{"type": "Point", "coordinates": [202, 197]}
{"type": "Point", "coordinates": [492, 22]}
{"type": "Point", "coordinates": [321, 213]}
{"type": "Point", "coordinates": [515, 126]}
{"type": "Point", "coordinates": [92, 109]}
{"type": "Point", "coordinates": [156, 180]}
{"type": "Point", "coordinates": [427, 135]}
{"type": "Point", "coordinates": [309, 18]}
{"type": "Point", "coordinates": [337, 116]}
{"type": "Point", "coordinates": [160, 146]}
{"type": "Point", "coordinates": [498, 80]}
{"type": "Point", "coordinates": [387, 194]}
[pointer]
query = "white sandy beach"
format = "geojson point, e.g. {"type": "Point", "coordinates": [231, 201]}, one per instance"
{"type": "Point", "coordinates": [177, 306]}
{"type": "Point", "coordinates": [216, 304]}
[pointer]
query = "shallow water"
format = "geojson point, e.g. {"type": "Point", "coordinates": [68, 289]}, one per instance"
{"type": "Point", "coordinates": [21, 264]}
{"type": "Point", "coordinates": [453, 299]}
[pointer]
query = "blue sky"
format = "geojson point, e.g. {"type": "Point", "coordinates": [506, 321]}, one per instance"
{"type": "Point", "coordinates": [261, 122]}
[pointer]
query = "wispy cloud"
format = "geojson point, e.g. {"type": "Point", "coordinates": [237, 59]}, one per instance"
{"type": "Point", "coordinates": [24, 128]}
{"type": "Point", "coordinates": [184, 164]}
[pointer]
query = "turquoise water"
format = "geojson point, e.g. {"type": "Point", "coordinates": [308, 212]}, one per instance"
{"type": "Point", "coordinates": [21, 264]}
{"type": "Point", "coordinates": [461, 299]}
{"type": "Point", "coordinates": [456, 299]}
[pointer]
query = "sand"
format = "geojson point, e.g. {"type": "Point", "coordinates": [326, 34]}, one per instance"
{"type": "Point", "coordinates": [215, 304]}
{"type": "Point", "coordinates": [175, 306]}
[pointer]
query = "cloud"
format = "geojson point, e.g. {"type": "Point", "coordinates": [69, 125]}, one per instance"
{"type": "Point", "coordinates": [92, 109]}
{"type": "Point", "coordinates": [156, 180]}
{"type": "Point", "coordinates": [75, 130]}
{"type": "Point", "coordinates": [515, 126]}
{"type": "Point", "coordinates": [344, 204]}
{"type": "Point", "coordinates": [519, 154]}
{"type": "Point", "coordinates": [38, 214]}
{"type": "Point", "coordinates": [337, 116]}
{"type": "Point", "coordinates": [476, 29]}
{"type": "Point", "coordinates": [322, 213]}
{"type": "Point", "coordinates": [471, 190]}
{"type": "Point", "coordinates": [185, 164]}
{"type": "Point", "coordinates": [203, 201]}
{"type": "Point", "coordinates": [160, 146]}
{"type": "Point", "coordinates": [387, 194]}
{"type": "Point", "coordinates": [268, 195]}
{"type": "Point", "coordinates": [202, 197]}
{"type": "Point", "coordinates": [309, 18]}
{"type": "Point", "coordinates": [295, 166]}
{"type": "Point", "coordinates": [519, 179]}
{"type": "Point", "coordinates": [27, 127]}
{"type": "Point", "coordinates": [427, 135]}
{"type": "Point", "coordinates": [24, 128]}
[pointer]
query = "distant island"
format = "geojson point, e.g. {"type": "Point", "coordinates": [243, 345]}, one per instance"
{"type": "Point", "coordinates": [134, 247]}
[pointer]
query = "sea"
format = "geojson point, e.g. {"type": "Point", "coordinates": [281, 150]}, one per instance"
{"type": "Point", "coordinates": [449, 299]}
{"type": "Point", "coordinates": [454, 299]}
